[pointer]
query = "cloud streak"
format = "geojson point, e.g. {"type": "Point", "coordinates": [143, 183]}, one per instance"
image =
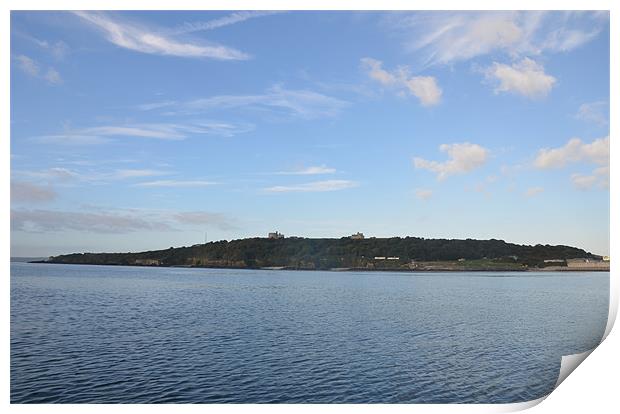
{"type": "Point", "coordinates": [177, 183]}
{"type": "Point", "coordinates": [161, 131]}
{"type": "Point", "coordinates": [304, 104]}
{"type": "Point", "coordinates": [24, 192]}
{"type": "Point", "coordinates": [442, 38]}
{"type": "Point", "coordinates": [202, 218]}
{"type": "Point", "coordinates": [233, 18]}
{"type": "Point", "coordinates": [313, 170]}
{"type": "Point", "coordinates": [313, 187]}
{"type": "Point", "coordinates": [114, 221]}
{"type": "Point", "coordinates": [138, 38]}
{"type": "Point", "coordinates": [91, 222]}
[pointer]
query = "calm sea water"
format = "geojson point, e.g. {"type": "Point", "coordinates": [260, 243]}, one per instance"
{"type": "Point", "coordinates": [105, 334]}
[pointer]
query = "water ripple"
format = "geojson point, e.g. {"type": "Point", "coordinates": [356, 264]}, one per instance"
{"type": "Point", "coordinates": [84, 334]}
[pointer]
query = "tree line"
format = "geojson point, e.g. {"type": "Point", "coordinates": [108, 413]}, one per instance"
{"type": "Point", "coordinates": [305, 253]}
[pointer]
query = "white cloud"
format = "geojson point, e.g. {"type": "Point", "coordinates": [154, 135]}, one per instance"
{"type": "Point", "coordinates": [425, 88]}
{"type": "Point", "coordinates": [177, 183]}
{"type": "Point", "coordinates": [584, 182]}
{"type": "Point", "coordinates": [300, 103]}
{"type": "Point", "coordinates": [24, 192]}
{"type": "Point", "coordinates": [233, 18]}
{"type": "Point", "coordinates": [599, 177]}
{"type": "Point", "coordinates": [596, 112]}
{"type": "Point", "coordinates": [165, 131]}
{"type": "Point", "coordinates": [575, 150]}
{"type": "Point", "coordinates": [53, 77]}
{"type": "Point", "coordinates": [148, 40]}
{"type": "Point", "coordinates": [534, 191]}
{"type": "Point", "coordinates": [448, 37]}
{"type": "Point", "coordinates": [313, 170]}
{"type": "Point", "coordinates": [463, 157]}
{"type": "Point", "coordinates": [28, 65]}
{"type": "Point", "coordinates": [423, 194]}
{"type": "Point", "coordinates": [525, 77]}
{"type": "Point", "coordinates": [315, 186]}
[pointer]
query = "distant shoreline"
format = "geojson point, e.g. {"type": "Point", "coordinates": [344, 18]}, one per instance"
{"type": "Point", "coordinates": [336, 270]}
{"type": "Point", "coordinates": [354, 253]}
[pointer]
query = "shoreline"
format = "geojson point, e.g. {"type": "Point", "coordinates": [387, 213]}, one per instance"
{"type": "Point", "coordinates": [336, 270]}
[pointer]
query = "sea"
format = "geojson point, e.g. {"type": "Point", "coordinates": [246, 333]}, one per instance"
{"type": "Point", "coordinates": [114, 334]}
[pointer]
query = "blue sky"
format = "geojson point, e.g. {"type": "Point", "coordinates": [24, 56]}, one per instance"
{"type": "Point", "coordinates": [141, 130]}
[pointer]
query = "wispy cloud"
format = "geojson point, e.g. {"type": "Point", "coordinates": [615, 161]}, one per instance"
{"type": "Point", "coordinates": [133, 36]}
{"type": "Point", "coordinates": [315, 186]}
{"type": "Point", "coordinates": [526, 78]}
{"type": "Point", "coordinates": [462, 158]}
{"type": "Point", "coordinates": [24, 192]}
{"type": "Point", "coordinates": [136, 173]}
{"type": "Point", "coordinates": [95, 219]}
{"type": "Point", "coordinates": [448, 37]}
{"type": "Point", "coordinates": [177, 183]}
{"type": "Point", "coordinates": [314, 170]}
{"type": "Point", "coordinates": [596, 112]}
{"type": "Point", "coordinates": [32, 68]}
{"type": "Point", "coordinates": [91, 222]}
{"type": "Point", "coordinates": [53, 77]}
{"type": "Point", "coordinates": [58, 49]}
{"type": "Point", "coordinates": [28, 65]}
{"type": "Point", "coordinates": [164, 131]}
{"type": "Point", "coordinates": [50, 174]}
{"type": "Point", "coordinates": [423, 194]}
{"type": "Point", "coordinates": [300, 103]}
{"type": "Point", "coordinates": [534, 191]}
{"type": "Point", "coordinates": [64, 176]}
{"type": "Point", "coordinates": [233, 18]}
{"type": "Point", "coordinates": [425, 88]}
{"type": "Point", "coordinates": [202, 218]}
{"type": "Point", "coordinates": [599, 177]}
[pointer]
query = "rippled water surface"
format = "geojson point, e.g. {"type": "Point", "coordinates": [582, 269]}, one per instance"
{"type": "Point", "coordinates": [105, 334]}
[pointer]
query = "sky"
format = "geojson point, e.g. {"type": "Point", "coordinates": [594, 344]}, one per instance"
{"type": "Point", "coordinates": [133, 131]}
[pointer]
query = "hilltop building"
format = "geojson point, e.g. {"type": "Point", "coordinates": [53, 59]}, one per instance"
{"type": "Point", "coordinates": [276, 235]}
{"type": "Point", "coordinates": [357, 236]}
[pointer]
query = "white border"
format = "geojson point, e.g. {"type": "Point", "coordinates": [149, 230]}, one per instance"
{"type": "Point", "coordinates": [591, 387]}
